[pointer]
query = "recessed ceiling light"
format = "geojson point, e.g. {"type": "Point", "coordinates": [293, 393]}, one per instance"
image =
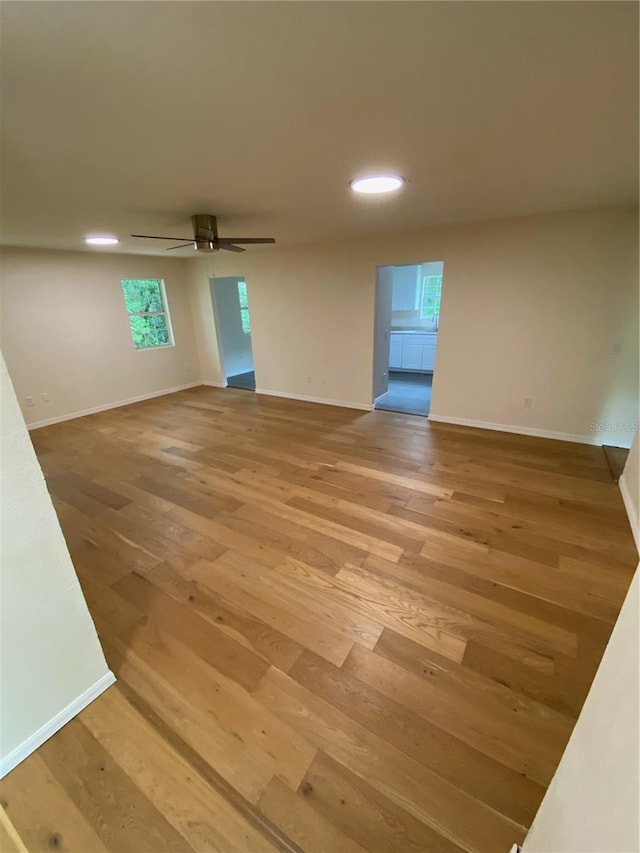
{"type": "Point", "coordinates": [374, 184]}
{"type": "Point", "coordinates": [101, 240]}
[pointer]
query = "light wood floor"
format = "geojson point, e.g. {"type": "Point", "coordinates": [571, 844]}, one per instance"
{"type": "Point", "coordinates": [332, 631]}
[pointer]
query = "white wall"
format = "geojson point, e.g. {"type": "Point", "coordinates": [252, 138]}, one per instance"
{"type": "Point", "coordinates": [65, 330]}
{"type": "Point", "coordinates": [235, 346]}
{"type": "Point", "coordinates": [630, 487]}
{"type": "Point", "coordinates": [49, 651]}
{"type": "Point", "coordinates": [592, 802]}
{"type": "Point", "coordinates": [531, 307]}
{"type": "Point", "coordinates": [312, 322]}
{"type": "Point", "coordinates": [204, 327]}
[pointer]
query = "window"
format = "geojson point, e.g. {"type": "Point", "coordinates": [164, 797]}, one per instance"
{"type": "Point", "coordinates": [244, 307]}
{"type": "Point", "coordinates": [431, 295]}
{"type": "Point", "coordinates": [146, 303]}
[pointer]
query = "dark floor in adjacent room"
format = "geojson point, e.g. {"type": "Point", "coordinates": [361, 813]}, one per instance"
{"type": "Point", "coordinates": [243, 380]}
{"type": "Point", "coordinates": [409, 393]}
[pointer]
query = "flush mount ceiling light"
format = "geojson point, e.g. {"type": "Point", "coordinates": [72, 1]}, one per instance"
{"type": "Point", "coordinates": [101, 240]}
{"type": "Point", "coordinates": [376, 184]}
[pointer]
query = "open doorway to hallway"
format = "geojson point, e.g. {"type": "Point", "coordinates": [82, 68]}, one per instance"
{"type": "Point", "coordinates": [233, 325]}
{"type": "Point", "coordinates": [406, 336]}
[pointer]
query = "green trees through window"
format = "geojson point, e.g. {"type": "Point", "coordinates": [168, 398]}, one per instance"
{"type": "Point", "coordinates": [244, 307]}
{"type": "Point", "coordinates": [148, 315]}
{"type": "Point", "coordinates": [431, 296]}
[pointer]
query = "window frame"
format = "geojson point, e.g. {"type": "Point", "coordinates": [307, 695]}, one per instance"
{"type": "Point", "coordinates": [165, 313]}
{"type": "Point", "coordinates": [244, 308]}
{"type": "Point", "coordinates": [423, 296]}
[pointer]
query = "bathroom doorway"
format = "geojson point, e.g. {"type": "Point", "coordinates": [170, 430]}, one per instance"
{"type": "Point", "coordinates": [233, 325]}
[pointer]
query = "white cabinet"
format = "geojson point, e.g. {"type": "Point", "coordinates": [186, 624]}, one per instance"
{"type": "Point", "coordinates": [411, 356]}
{"type": "Point", "coordinates": [395, 351]}
{"type": "Point", "coordinates": [411, 351]}
{"type": "Point", "coordinates": [429, 353]}
{"type": "Point", "coordinates": [406, 287]}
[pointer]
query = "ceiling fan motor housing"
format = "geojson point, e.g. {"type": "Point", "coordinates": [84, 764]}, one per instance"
{"type": "Point", "coordinates": [205, 232]}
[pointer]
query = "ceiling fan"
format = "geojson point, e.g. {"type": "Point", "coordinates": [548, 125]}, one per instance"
{"type": "Point", "coordinates": [205, 237]}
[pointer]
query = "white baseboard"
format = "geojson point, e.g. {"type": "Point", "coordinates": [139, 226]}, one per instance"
{"type": "Point", "coordinates": [632, 510]}
{"type": "Point", "coordinates": [303, 397]}
{"type": "Point", "coordinates": [116, 405]}
{"type": "Point", "coordinates": [224, 384]}
{"type": "Point", "coordinates": [518, 430]}
{"type": "Point", "coordinates": [55, 724]}
{"type": "Point", "coordinates": [381, 397]}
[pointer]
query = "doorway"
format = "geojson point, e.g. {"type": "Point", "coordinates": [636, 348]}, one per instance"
{"type": "Point", "coordinates": [407, 320]}
{"type": "Point", "coordinates": [233, 326]}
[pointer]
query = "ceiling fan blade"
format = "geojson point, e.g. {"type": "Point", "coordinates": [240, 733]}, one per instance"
{"type": "Point", "coordinates": [246, 240]}
{"type": "Point", "coordinates": [153, 237]}
{"type": "Point", "coordinates": [181, 246]}
{"type": "Point", "coordinates": [231, 248]}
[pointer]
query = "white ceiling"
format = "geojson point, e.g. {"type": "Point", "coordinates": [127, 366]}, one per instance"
{"type": "Point", "coordinates": [128, 117]}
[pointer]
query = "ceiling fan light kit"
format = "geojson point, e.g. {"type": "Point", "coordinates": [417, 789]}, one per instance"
{"type": "Point", "coordinates": [206, 238]}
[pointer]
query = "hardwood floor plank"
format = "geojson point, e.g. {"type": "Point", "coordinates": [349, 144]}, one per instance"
{"type": "Point", "coordinates": [473, 614]}
{"type": "Point", "coordinates": [302, 823]}
{"type": "Point", "coordinates": [201, 815]}
{"type": "Point", "coordinates": [317, 549]}
{"type": "Point", "coordinates": [266, 642]}
{"type": "Point", "coordinates": [223, 699]}
{"type": "Point", "coordinates": [58, 823]}
{"type": "Point", "coordinates": [429, 798]}
{"type": "Point", "coordinates": [531, 746]}
{"type": "Point", "coordinates": [183, 713]}
{"type": "Point", "coordinates": [506, 791]}
{"type": "Point", "coordinates": [389, 530]}
{"type": "Point", "coordinates": [425, 627]}
{"type": "Point", "coordinates": [415, 484]}
{"type": "Point", "coordinates": [10, 841]}
{"type": "Point", "coordinates": [128, 553]}
{"type": "Point", "coordinates": [273, 609]}
{"type": "Point", "coordinates": [161, 536]}
{"type": "Point", "coordinates": [226, 533]}
{"type": "Point", "coordinates": [363, 541]}
{"type": "Point", "coordinates": [501, 519]}
{"type": "Point", "coordinates": [98, 564]}
{"type": "Point", "coordinates": [525, 575]}
{"type": "Point", "coordinates": [205, 505]}
{"type": "Point", "coordinates": [115, 807]}
{"type": "Point", "coordinates": [365, 814]}
{"type": "Point", "coordinates": [88, 487]}
{"type": "Point", "coordinates": [203, 638]}
{"type": "Point", "coordinates": [549, 688]}
{"type": "Point", "coordinates": [111, 612]}
{"type": "Point", "coordinates": [296, 585]}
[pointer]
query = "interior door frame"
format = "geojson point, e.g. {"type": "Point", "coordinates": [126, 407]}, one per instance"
{"type": "Point", "coordinates": [214, 283]}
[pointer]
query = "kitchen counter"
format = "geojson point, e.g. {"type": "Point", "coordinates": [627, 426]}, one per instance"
{"type": "Point", "coordinates": [414, 331]}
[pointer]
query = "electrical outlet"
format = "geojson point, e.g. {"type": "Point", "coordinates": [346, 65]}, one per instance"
{"type": "Point", "coordinates": [45, 397]}
{"type": "Point", "coordinates": [528, 402]}
{"type": "Point", "coordinates": [308, 380]}
{"type": "Point", "coordinates": [29, 401]}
